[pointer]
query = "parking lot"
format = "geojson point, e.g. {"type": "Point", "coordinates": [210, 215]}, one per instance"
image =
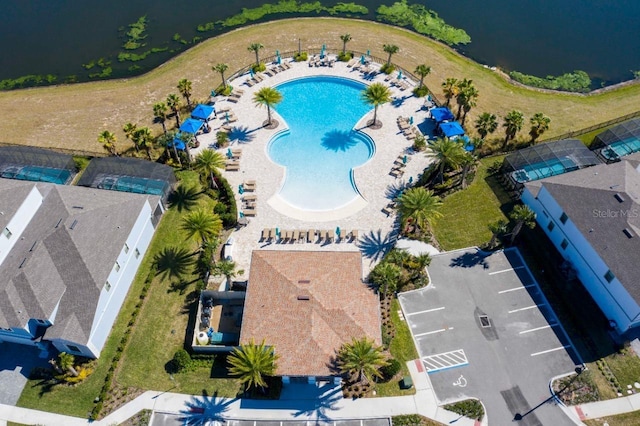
{"type": "Point", "coordinates": [483, 329]}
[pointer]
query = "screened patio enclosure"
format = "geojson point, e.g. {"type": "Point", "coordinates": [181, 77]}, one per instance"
{"type": "Point", "coordinates": [618, 141]}
{"type": "Point", "coordinates": [546, 159]}
{"type": "Point", "coordinates": [36, 164]}
{"type": "Point", "coordinates": [129, 175]}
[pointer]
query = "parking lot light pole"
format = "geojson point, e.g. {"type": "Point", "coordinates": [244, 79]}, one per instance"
{"type": "Point", "coordinates": [578, 371]}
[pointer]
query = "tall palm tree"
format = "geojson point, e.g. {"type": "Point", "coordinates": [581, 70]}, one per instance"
{"type": "Point", "coordinates": [486, 123]}
{"type": "Point", "coordinates": [108, 141]}
{"type": "Point", "coordinates": [361, 359]}
{"type": "Point", "coordinates": [346, 38]}
{"type": "Point", "coordinates": [386, 275]}
{"type": "Point", "coordinates": [462, 88]}
{"type": "Point", "coordinates": [422, 70]}
{"type": "Point", "coordinates": [376, 94]}
{"type": "Point", "coordinates": [66, 363]}
{"type": "Point", "coordinates": [522, 215]}
{"type": "Point", "coordinates": [497, 228]}
{"type": "Point", "coordinates": [450, 89]}
{"type": "Point", "coordinates": [539, 124]}
{"type": "Point", "coordinates": [207, 161]}
{"type": "Point", "coordinates": [252, 363]}
{"type": "Point", "coordinates": [143, 138]}
{"type": "Point", "coordinates": [468, 160]}
{"type": "Point", "coordinates": [184, 87]}
{"type": "Point", "coordinates": [128, 130]}
{"type": "Point", "coordinates": [447, 153]}
{"type": "Point", "coordinates": [390, 49]}
{"type": "Point", "coordinates": [419, 206]}
{"type": "Point", "coordinates": [221, 69]}
{"type": "Point", "coordinates": [166, 140]}
{"type": "Point", "coordinates": [255, 48]}
{"type": "Point", "coordinates": [512, 124]}
{"type": "Point", "coordinates": [202, 225]}
{"type": "Point", "coordinates": [228, 269]}
{"type": "Point", "coordinates": [173, 102]}
{"type": "Point", "coordinates": [160, 111]}
{"type": "Point", "coordinates": [267, 96]}
{"type": "Point", "coordinates": [470, 101]}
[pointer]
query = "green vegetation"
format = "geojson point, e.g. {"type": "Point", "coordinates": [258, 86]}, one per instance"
{"type": "Point", "coordinates": [469, 407]}
{"type": "Point", "coordinates": [423, 21]}
{"type": "Point", "coordinates": [626, 419]}
{"type": "Point", "coordinates": [347, 9]}
{"type": "Point", "coordinates": [27, 81]}
{"type": "Point", "coordinates": [136, 34]}
{"type": "Point", "coordinates": [413, 420]}
{"type": "Point", "coordinates": [577, 81]}
{"type": "Point", "coordinates": [202, 28]}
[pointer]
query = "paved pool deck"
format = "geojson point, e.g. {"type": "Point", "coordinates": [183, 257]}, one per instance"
{"type": "Point", "coordinates": [375, 184]}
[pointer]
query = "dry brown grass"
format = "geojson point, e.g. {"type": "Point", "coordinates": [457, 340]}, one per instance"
{"type": "Point", "coordinates": [72, 116]}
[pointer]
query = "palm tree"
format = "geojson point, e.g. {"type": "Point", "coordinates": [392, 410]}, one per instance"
{"type": "Point", "coordinates": [422, 70]}
{"type": "Point", "coordinates": [66, 363]}
{"type": "Point", "coordinates": [386, 275]}
{"type": "Point", "coordinates": [160, 111]}
{"type": "Point", "coordinates": [419, 206]}
{"type": "Point", "coordinates": [390, 49]}
{"type": "Point", "coordinates": [346, 38]}
{"type": "Point", "coordinates": [539, 125]}
{"type": "Point", "coordinates": [185, 197]}
{"type": "Point", "coordinates": [173, 102]}
{"type": "Point", "coordinates": [468, 160]}
{"type": "Point", "coordinates": [166, 140]}
{"type": "Point", "coordinates": [376, 94]}
{"type": "Point", "coordinates": [497, 228]}
{"type": "Point", "coordinates": [252, 363]}
{"type": "Point", "coordinates": [202, 225]}
{"type": "Point", "coordinates": [207, 161]}
{"type": "Point", "coordinates": [184, 87]}
{"type": "Point", "coordinates": [522, 215]}
{"type": "Point", "coordinates": [512, 124]}
{"type": "Point", "coordinates": [108, 141]}
{"type": "Point", "coordinates": [486, 123]}
{"type": "Point", "coordinates": [128, 130]}
{"type": "Point", "coordinates": [361, 360]}
{"type": "Point", "coordinates": [222, 68]}
{"type": "Point", "coordinates": [143, 138]}
{"type": "Point", "coordinates": [462, 87]}
{"type": "Point", "coordinates": [255, 48]}
{"type": "Point", "coordinates": [470, 101]}
{"type": "Point", "coordinates": [267, 96]}
{"type": "Point", "coordinates": [228, 269]}
{"type": "Point", "coordinates": [450, 89]}
{"type": "Point", "coordinates": [447, 153]}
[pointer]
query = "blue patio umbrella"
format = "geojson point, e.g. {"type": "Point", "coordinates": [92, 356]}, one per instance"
{"type": "Point", "coordinates": [278, 232]}
{"type": "Point", "coordinates": [240, 189]}
{"type": "Point", "coordinates": [338, 231]}
{"type": "Point", "coordinates": [368, 53]}
{"type": "Point", "coordinates": [251, 72]}
{"type": "Point", "coordinates": [410, 179]}
{"type": "Point", "coordinates": [411, 120]}
{"type": "Point", "coordinates": [202, 112]}
{"type": "Point", "coordinates": [324, 46]}
{"type": "Point", "coordinates": [362, 60]}
{"type": "Point", "coordinates": [400, 75]}
{"type": "Point", "coordinates": [226, 116]}
{"type": "Point", "coordinates": [405, 159]}
{"type": "Point", "coordinates": [278, 60]}
{"type": "Point", "coordinates": [229, 153]}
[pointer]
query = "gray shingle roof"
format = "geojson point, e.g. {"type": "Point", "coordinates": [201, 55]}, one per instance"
{"type": "Point", "coordinates": [602, 201]}
{"type": "Point", "coordinates": [66, 268]}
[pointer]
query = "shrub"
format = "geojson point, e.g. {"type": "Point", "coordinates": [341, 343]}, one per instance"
{"type": "Point", "coordinates": [95, 413]}
{"type": "Point", "coordinates": [391, 369]}
{"type": "Point", "coordinates": [300, 57]}
{"type": "Point", "coordinates": [471, 408]}
{"type": "Point", "coordinates": [259, 67]}
{"type": "Point", "coordinates": [345, 57]}
{"type": "Point", "coordinates": [577, 81]}
{"type": "Point", "coordinates": [387, 68]}
{"type": "Point", "coordinates": [419, 92]}
{"type": "Point", "coordinates": [419, 143]}
{"type": "Point", "coordinates": [181, 360]}
{"type": "Point", "coordinates": [407, 420]}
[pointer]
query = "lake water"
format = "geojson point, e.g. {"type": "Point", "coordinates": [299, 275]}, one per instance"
{"type": "Point", "coordinates": [539, 37]}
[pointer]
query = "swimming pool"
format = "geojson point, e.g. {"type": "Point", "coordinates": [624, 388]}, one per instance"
{"type": "Point", "coordinates": [37, 174]}
{"type": "Point", "coordinates": [621, 148]}
{"type": "Point", "coordinates": [544, 169]}
{"type": "Point", "coordinates": [320, 149]}
{"type": "Point", "coordinates": [133, 184]}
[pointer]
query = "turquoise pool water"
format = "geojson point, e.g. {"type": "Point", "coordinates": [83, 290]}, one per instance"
{"type": "Point", "coordinates": [134, 184]}
{"type": "Point", "coordinates": [321, 149]}
{"type": "Point", "coordinates": [544, 169]}
{"type": "Point", "coordinates": [621, 148]}
{"type": "Point", "coordinates": [37, 174]}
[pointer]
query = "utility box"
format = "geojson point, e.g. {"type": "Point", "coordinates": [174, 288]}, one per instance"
{"type": "Point", "coordinates": [406, 382]}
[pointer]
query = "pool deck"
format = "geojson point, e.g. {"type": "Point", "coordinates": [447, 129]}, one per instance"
{"type": "Point", "coordinates": [373, 180]}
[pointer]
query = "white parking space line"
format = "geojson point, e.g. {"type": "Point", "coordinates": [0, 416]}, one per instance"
{"type": "Point", "coordinates": [516, 288]}
{"type": "Point", "coordinates": [426, 310]}
{"type": "Point", "coordinates": [535, 329]}
{"type": "Point", "coordinates": [551, 350]}
{"type": "Point", "coordinates": [444, 360]}
{"type": "Point", "coordinates": [525, 309]}
{"type": "Point", "coordinates": [506, 270]}
{"type": "Point", "coordinates": [432, 332]}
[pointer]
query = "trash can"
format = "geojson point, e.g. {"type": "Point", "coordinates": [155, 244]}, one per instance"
{"type": "Point", "coordinates": [406, 382]}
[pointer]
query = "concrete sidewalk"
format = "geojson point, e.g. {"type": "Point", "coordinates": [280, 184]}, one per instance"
{"type": "Point", "coordinates": [611, 407]}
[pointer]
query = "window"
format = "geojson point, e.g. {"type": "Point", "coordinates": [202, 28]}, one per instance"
{"type": "Point", "coordinates": [563, 218]}
{"type": "Point", "coordinates": [564, 244]}
{"type": "Point", "coordinates": [117, 266]}
{"type": "Point", "coordinates": [7, 233]}
{"type": "Point", "coordinates": [550, 226]}
{"type": "Point", "coordinates": [107, 286]}
{"type": "Point", "coordinates": [126, 248]}
{"type": "Point", "coordinates": [73, 348]}
{"type": "Point", "coordinates": [609, 276]}
{"type": "Point", "coordinates": [137, 253]}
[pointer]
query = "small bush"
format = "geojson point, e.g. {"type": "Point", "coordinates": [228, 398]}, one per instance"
{"type": "Point", "coordinates": [387, 68]}
{"type": "Point", "coordinates": [181, 360]}
{"type": "Point", "coordinates": [95, 413]}
{"type": "Point", "coordinates": [419, 143]}
{"type": "Point", "coordinates": [471, 408]}
{"type": "Point", "coordinates": [407, 420]}
{"type": "Point", "coordinates": [345, 57]}
{"type": "Point", "coordinates": [259, 67]}
{"type": "Point", "coordinates": [300, 57]}
{"type": "Point", "coordinates": [420, 92]}
{"type": "Point", "coordinates": [391, 369]}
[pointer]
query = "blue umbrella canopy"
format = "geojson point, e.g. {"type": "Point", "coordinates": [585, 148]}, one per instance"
{"type": "Point", "coordinates": [191, 125]}
{"type": "Point", "coordinates": [178, 143]}
{"type": "Point", "coordinates": [202, 112]}
{"type": "Point", "coordinates": [451, 129]}
{"type": "Point", "coordinates": [441, 114]}
{"type": "Point", "coordinates": [362, 60]}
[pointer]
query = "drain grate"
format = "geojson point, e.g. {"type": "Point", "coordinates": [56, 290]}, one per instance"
{"type": "Point", "coordinates": [484, 321]}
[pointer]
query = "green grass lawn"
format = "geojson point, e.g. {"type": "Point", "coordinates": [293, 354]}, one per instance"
{"type": "Point", "coordinates": [402, 349]}
{"type": "Point", "coordinates": [627, 419]}
{"type": "Point", "coordinates": [468, 213]}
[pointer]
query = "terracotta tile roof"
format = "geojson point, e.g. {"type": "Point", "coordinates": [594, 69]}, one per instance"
{"type": "Point", "coordinates": [307, 333]}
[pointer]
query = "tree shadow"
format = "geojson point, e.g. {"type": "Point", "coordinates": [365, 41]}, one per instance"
{"type": "Point", "coordinates": [202, 411]}
{"type": "Point", "coordinates": [173, 262]}
{"type": "Point", "coordinates": [241, 134]}
{"type": "Point", "coordinates": [339, 140]}
{"type": "Point", "coordinates": [470, 259]}
{"type": "Point", "coordinates": [184, 198]}
{"type": "Point", "coordinates": [397, 102]}
{"type": "Point", "coordinates": [321, 407]}
{"type": "Point", "coordinates": [374, 246]}
{"type": "Point", "coordinates": [396, 189]}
